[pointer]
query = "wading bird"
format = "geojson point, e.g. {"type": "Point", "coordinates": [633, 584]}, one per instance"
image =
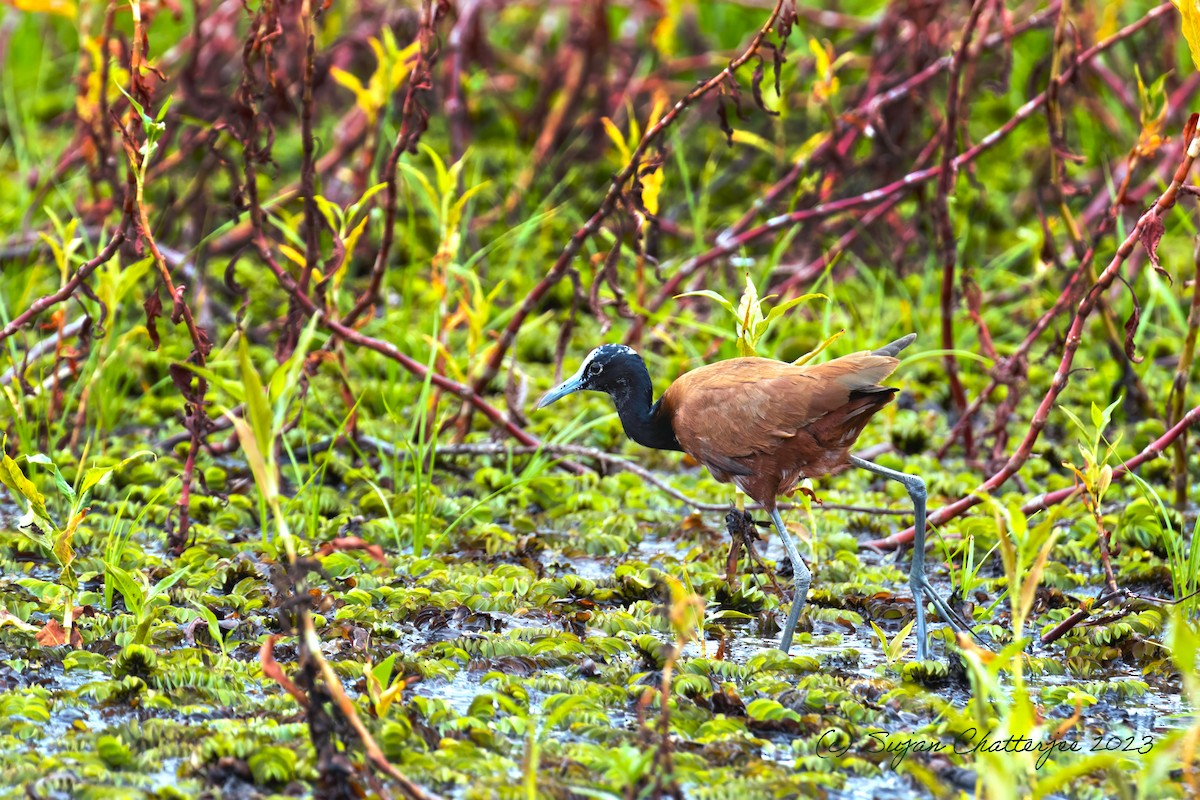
{"type": "Point", "coordinates": [764, 425]}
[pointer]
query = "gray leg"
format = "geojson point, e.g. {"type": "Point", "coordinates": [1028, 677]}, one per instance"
{"type": "Point", "coordinates": [801, 579]}
{"type": "Point", "coordinates": [916, 576]}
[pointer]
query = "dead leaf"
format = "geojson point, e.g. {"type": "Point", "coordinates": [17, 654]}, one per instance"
{"type": "Point", "coordinates": [53, 635]}
{"type": "Point", "coordinates": [1150, 235]}
{"type": "Point", "coordinates": [1131, 326]}
{"type": "Point", "coordinates": [153, 308]}
{"type": "Point", "coordinates": [352, 543]}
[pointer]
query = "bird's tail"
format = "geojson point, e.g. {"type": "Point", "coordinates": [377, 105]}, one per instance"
{"type": "Point", "coordinates": [896, 346]}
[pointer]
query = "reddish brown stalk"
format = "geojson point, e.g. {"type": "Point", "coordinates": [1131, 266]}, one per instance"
{"type": "Point", "coordinates": [867, 112]}
{"type": "Point", "coordinates": [585, 51]}
{"type": "Point", "coordinates": [313, 219]}
{"type": "Point", "coordinates": [412, 125]}
{"type": "Point", "coordinates": [731, 244]}
{"type": "Point", "coordinates": [947, 177]}
{"type": "Point", "coordinates": [387, 349]}
{"type": "Point", "coordinates": [456, 106]}
{"type": "Point", "coordinates": [1061, 629]}
{"type": "Point", "coordinates": [71, 286]}
{"type": "Point", "coordinates": [809, 273]}
{"type": "Point", "coordinates": [342, 329]}
{"type": "Point", "coordinates": [195, 417]}
{"type": "Point", "coordinates": [1054, 125]}
{"type": "Point", "coordinates": [609, 204]}
{"type": "Point", "coordinates": [1012, 367]}
{"type": "Point", "coordinates": [1146, 222]}
{"type": "Point", "coordinates": [1178, 395]}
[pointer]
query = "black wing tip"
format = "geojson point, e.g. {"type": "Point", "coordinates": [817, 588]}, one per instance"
{"type": "Point", "coordinates": [896, 346]}
{"type": "Point", "coordinates": [875, 393]}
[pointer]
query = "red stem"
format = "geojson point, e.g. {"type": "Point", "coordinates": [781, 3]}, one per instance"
{"type": "Point", "coordinates": [609, 204]}
{"type": "Point", "coordinates": [1073, 340]}
{"type": "Point", "coordinates": [946, 180]}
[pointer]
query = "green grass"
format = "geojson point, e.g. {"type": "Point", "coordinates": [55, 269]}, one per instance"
{"type": "Point", "coordinates": [517, 638]}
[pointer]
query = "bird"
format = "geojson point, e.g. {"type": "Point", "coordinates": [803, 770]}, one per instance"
{"type": "Point", "coordinates": [765, 425]}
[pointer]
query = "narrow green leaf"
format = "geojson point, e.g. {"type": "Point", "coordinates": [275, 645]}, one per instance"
{"type": "Point", "coordinates": [782, 308]}
{"type": "Point", "coordinates": [258, 413]}
{"type": "Point", "coordinates": [711, 295]}
{"type": "Point", "coordinates": [129, 588]}
{"type": "Point", "coordinates": [214, 625]}
{"type": "Point", "coordinates": [64, 488]}
{"type": "Point", "coordinates": [97, 476]}
{"type": "Point", "coordinates": [382, 671]}
{"type": "Point", "coordinates": [563, 708]}
{"type": "Point", "coordinates": [20, 486]}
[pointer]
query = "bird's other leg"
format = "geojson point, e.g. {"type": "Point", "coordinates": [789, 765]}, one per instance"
{"type": "Point", "coordinates": [736, 522]}
{"type": "Point", "coordinates": [801, 579]}
{"type": "Point", "coordinates": [916, 576]}
{"type": "Point", "coordinates": [743, 534]}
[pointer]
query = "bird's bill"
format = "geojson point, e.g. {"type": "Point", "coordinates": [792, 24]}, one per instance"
{"type": "Point", "coordinates": [571, 384]}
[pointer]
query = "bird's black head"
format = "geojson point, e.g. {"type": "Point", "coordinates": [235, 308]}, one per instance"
{"type": "Point", "coordinates": [612, 368]}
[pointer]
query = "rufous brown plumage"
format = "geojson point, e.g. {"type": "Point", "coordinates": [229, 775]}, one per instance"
{"type": "Point", "coordinates": [763, 425]}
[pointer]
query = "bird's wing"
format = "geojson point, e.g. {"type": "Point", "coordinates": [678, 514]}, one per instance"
{"type": "Point", "coordinates": [736, 408]}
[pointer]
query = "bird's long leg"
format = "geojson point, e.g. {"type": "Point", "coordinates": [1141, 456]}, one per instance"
{"type": "Point", "coordinates": [801, 579]}
{"type": "Point", "coordinates": [916, 576]}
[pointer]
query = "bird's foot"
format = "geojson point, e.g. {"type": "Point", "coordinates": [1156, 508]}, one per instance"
{"type": "Point", "coordinates": [736, 520]}
{"type": "Point", "coordinates": [743, 535]}
{"type": "Point", "coordinates": [924, 589]}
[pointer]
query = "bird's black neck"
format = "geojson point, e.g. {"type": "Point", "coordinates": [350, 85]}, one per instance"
{"type": "Point", "coordinates": [643, 421]}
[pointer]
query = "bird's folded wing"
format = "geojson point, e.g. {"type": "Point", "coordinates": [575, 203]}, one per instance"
{"type": "Point", "coordinates": [734, 409]}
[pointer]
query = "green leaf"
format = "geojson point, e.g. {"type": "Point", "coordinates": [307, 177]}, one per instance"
{"type": "Point", "coordinates": [353, 208]}
{"type": "Point", "coordinates": [562, 707]}
{"type": "Point", "coordinates": [779, 310]}
{"type": "Point", "coordinates": [264, 477]}
{"type": "Point", "coordinates": [883, 639]}
{"type": "Point", "coordinates": [1073, 418]}
{"type": "Point", "coordinates": [97, 476]}
{"type": "Point", "coordinates": [1184, 641]}
{"type": "Point", "coordinates": [131, 276]}
{"type": "Point", "coordinates": [351, 239]}
{"type": "Point", "coordinates": [896, 647]}
{"type": "Point", "coordinates": [135, 596]}
{"type": "Point", "coordinates": [231, 387]}
{"type": "Point", "coordinates": [162, 111]}
{"type": "Point", "coordinates": [258, 412]}
{"type": "Point", "coordinates": [1189, 10]}
{"type": "Point", "coordinates": [431, 194]}
{"type": "Point", "coordinates": [214, 625]}
{"type": "Point", "coordinates": [166, 583]}
{"type": "Point", "coordinates": [20, 486]}
{"type": "Point", "coordinates": [460, 204]}
{"type": "Point", "coordinates": [331, 212]}
{"type": "Point", "coordinates": [291, 374]}
{"type": "Point", "coordinates": [64, 488]}
{"type": "Point", "coordinates": [382, 671]}
{"type": "Point", "coordinates": [711, 295]}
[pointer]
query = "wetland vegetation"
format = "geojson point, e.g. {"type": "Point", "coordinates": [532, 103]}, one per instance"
{"type": "Point", "coordinates": [281, 283]}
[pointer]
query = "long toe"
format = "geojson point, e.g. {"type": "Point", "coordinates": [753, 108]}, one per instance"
{"type": "Point", "coordinates": [951, 617]}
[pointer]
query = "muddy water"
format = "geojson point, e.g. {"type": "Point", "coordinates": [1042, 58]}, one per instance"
{"type": "Point", "coordinates": [1147, 711]}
